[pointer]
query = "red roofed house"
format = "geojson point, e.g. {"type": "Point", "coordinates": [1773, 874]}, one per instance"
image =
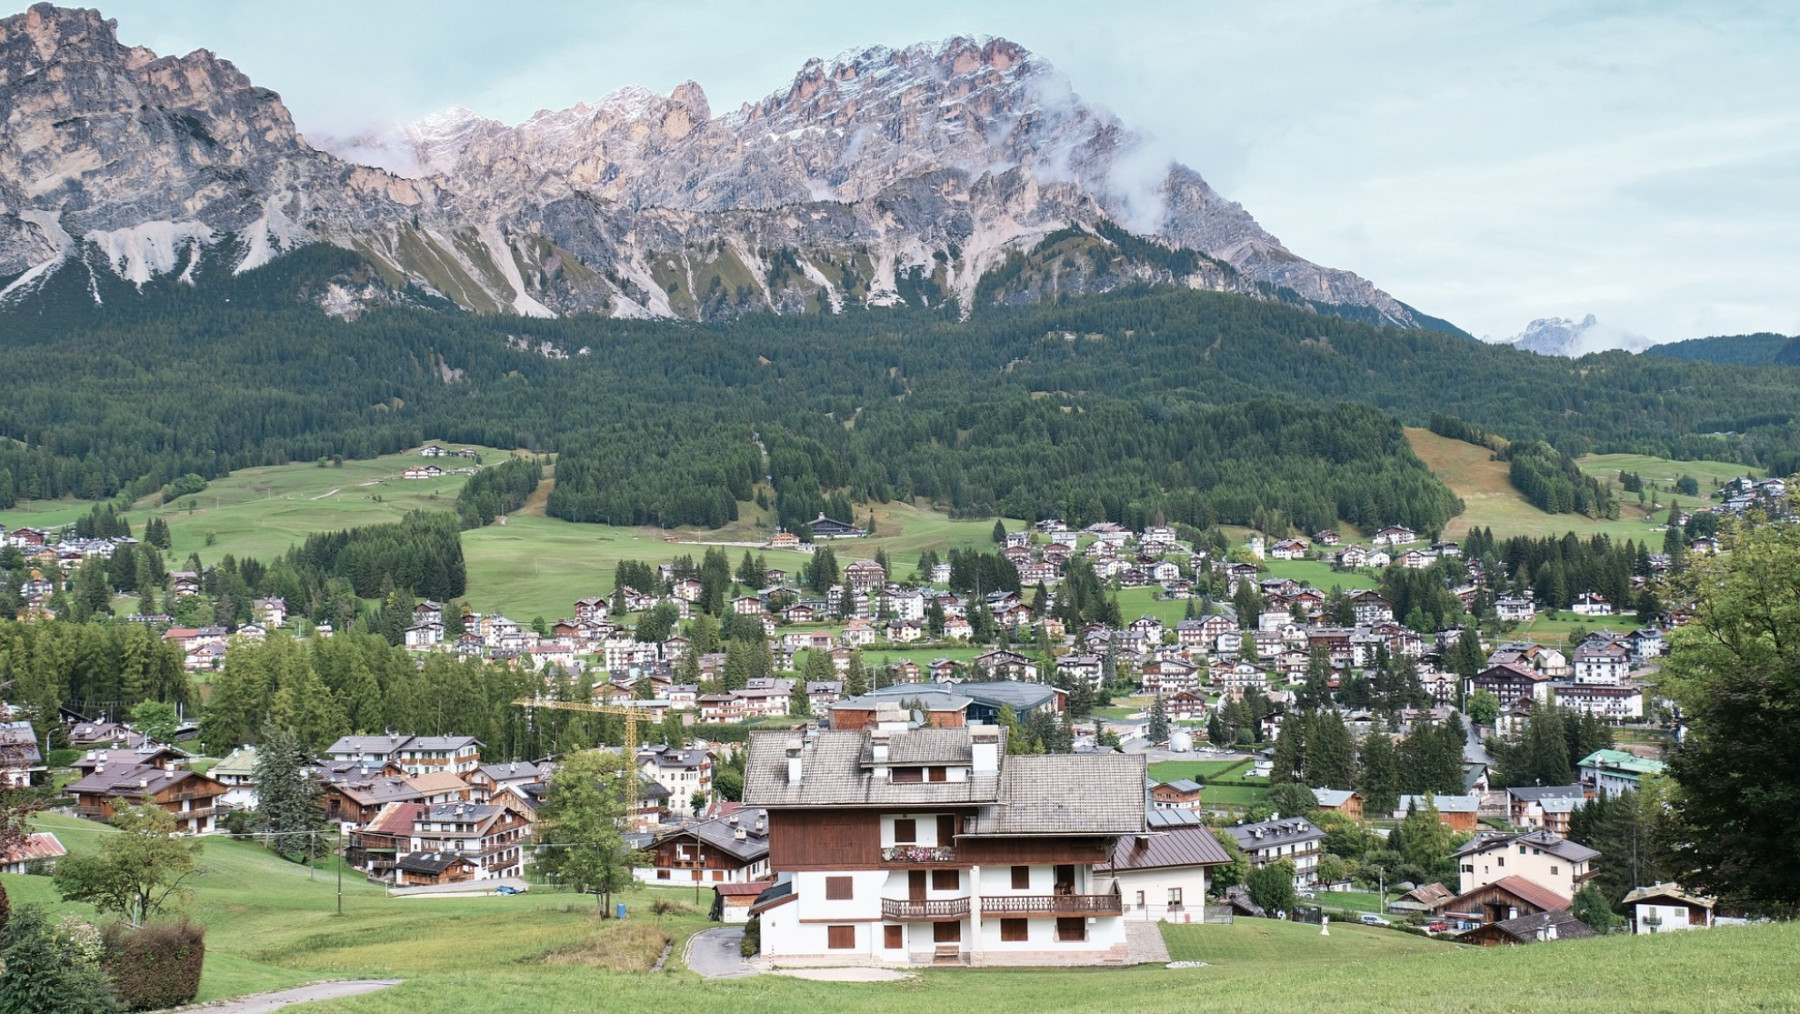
{"type": "Point", "coordinates": [38, 847]}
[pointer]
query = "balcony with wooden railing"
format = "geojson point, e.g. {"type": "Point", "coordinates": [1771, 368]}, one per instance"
{"type": "Point", "coordinates": [919, 855]}
{"type": "Point", "coordinates": [1051, 904]}
{"type": "Point", "coordinates": [938, 910]}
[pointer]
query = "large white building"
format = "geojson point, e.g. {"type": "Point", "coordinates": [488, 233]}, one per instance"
{"type": "Point", "coordinates": [914, 846]}
{"type": "Point", "coordinates": [1546, 859]}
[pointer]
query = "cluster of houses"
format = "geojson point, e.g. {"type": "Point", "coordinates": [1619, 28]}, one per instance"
{"type": "Point", "coordinates": [58, 554]}
{"type": "Point", "coordinates": [1604, 676]}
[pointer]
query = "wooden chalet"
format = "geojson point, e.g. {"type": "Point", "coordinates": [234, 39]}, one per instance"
{"type": "Point", "coordinates": [728, 849]}
{"type": "Point", "coordinates": [190, 797]}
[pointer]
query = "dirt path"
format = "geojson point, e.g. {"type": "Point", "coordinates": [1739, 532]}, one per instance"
{"type": "Point", "coordinates": [322, 496]}
{"type": "Point", "coordinates": [262, 1003]}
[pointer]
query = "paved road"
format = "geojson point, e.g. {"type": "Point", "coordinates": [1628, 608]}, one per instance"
{"type": "Point", "coordinates": [715, 954]}
{"type": "Point", "coordinates": [263, 1003]}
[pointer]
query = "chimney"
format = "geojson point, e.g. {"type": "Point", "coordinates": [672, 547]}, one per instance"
{"type": "Point", "coordinates": [759, 825]}
{"type": "Point", "coordinates": [984, 747]}
{"type": "Point", "coordinates": [740, 834]}
{"type": "Point", "coordinates": [794, 748]}
{"type": "Point", "coordinates": [878, 745]}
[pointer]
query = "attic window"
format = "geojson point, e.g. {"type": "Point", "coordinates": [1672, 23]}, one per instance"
{"type": "Point", "coordinates": [909, 774]}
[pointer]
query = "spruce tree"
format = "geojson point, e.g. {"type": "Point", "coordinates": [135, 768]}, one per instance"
{"type": "Point", "coordinates": [288, 805]}
{"type": "Point", "coordinates": [1289, 763]}
{"type": "Point", "coordinates": [1158, 729]}
{"type": "Point", "coordinates": [1378, 775]}
{"type": "Point", "coordinates": [1330, 759]}
{"type": "Point", "coordinates": [856, 676]}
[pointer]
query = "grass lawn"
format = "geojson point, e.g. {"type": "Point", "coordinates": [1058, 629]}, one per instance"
{"type": "Point", "coordinates": [262, 511]}
{"type": "Point", "coordinates": [1490, 501]}
{"type": "Point", "coordinates": [1319, 575]}
{"type": "Point", "coordinates": [1232, 795]}
{"type": "Point", "coordinates": [269, 926]}
{"type": "Point", "coordinates": [1556, 631]}
{"type": "Point", "coordinates": [1356, 901]}
{"type": "Point", "coordinates": [1202, 771]}
{"type": "Point", "coordinates": [537, 566]}
{"type": "Point", "coordinates": [1663, 471]}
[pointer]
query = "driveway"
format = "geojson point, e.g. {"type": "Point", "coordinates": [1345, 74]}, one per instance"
{"type": "Point", "coordinates": [716, 953]}
{"type": "Point", "coordinates": [263, 1003]}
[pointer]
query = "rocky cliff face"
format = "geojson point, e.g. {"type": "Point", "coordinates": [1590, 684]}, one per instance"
{"type": "Point", "coordinates": [965, 170]}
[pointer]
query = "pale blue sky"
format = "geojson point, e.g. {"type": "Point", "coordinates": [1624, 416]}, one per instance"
{"type": "Point", "coordinates": [1486, 162]}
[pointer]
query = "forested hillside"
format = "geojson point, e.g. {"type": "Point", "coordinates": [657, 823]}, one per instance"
{"type": "Point", "coordinates": [1195, 404]}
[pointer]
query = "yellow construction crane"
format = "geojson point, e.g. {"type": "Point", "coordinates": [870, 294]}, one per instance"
{"type": "Point", "coordinates": [632, 717]}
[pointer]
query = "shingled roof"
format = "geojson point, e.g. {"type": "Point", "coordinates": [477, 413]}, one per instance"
{"type": "Point", "coordinates": [1052, 794]}
{"type": "Point", "coordinates": [833, 774]}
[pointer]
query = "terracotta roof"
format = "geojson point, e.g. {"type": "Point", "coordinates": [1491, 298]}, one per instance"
{"type": "Point", "coordinates": [395, 819]}
{"type": "Point", "coordinates": [749, 890]}
{"type": "Point", "coordinates": [1530, 892]}
{"type": "Point", "coordinates": [1183, 846]}
{"type": "Point", "coordinates": [38, 845]}
{"type": "Point", "coordinates": [432, 782]}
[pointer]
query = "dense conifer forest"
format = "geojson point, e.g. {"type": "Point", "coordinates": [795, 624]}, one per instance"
{"type": "Point", "coordinates": [1197, 405]}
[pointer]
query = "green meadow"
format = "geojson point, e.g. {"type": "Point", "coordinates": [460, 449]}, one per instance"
{"type": "Point", "coordinates": [271, 924]}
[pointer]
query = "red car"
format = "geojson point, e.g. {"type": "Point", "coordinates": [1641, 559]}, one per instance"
{"type": "Point", "coordinates": [1438, 927]}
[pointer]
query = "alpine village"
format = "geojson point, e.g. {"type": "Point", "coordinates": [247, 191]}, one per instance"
{"type": "Point", "coordinates": [656, 559]}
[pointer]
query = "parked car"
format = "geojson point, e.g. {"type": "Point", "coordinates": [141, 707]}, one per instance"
{"type": "Point", "coordinates": [1438, 927]}
{"type": "Point", "coordinates": [507, 889]}
{"type": "Point", "coordinates": [1371, 919]}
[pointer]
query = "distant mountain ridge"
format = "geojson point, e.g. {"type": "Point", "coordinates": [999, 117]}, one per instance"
{"type": "Point", "coordinates": [1560, 336]}
{"type": "Point", "coordinates": [963, 170]}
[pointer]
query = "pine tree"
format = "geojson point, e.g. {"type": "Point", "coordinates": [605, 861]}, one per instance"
{"type": "Point", "coordinates": [799, 701]}
{"type": "Point", "coordinates": [1158, 729]}
{"type": "Point", "coordinates": [1378, 777]}
{"type": "Point", "coordinates": [1000, 531]}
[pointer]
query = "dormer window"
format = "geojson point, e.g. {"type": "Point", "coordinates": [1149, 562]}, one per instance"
{"type": "Point", "coordinates": [910, 775]}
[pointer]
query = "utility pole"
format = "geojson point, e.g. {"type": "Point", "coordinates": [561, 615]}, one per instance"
{"type": "Point", "coordinates": [340, 886]}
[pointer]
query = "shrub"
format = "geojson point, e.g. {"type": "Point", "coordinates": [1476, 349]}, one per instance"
{"type": "Point", "coordinates": [157, 966]}
{"type": "Point", "coordinates": [46, 972]}
{"type": "Point", "coordinates": [5, 909]}
{"type": "Point", "coordinates": [752, 937]}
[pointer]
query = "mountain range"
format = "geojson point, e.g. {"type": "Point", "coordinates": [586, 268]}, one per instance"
{"type": "Point", "coordinates": [1560, 336]}
{"type": "Point", "coordinates": [966, 170]}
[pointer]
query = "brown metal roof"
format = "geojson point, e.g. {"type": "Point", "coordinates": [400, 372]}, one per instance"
{"type": "Point", "coordinates": [1182, 846]}
{"type": "Point", "coordinates": [1527, 891]}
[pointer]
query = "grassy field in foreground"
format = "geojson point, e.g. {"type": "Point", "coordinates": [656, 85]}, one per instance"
{"type": "Point", "coordinates": [269, 926]}
{"type": "Point", "coordinates": [1490, 501]}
